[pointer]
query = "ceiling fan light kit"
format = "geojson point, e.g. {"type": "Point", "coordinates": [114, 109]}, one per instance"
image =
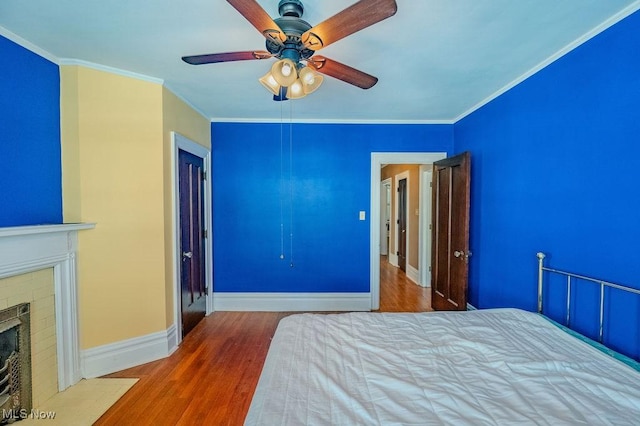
{"type": "Point", "coordinates": [284, 72]}
{"type": "Point", "coordinates": [270, 83]}
{"type": "Point", "coordinates": [295, 90]}
{"type": "Point", "coordinates": [299, 80]}
{"type": "Point", "coordinates": [310, 79]}
{"type": "Point", "coordinates": [294, 41]}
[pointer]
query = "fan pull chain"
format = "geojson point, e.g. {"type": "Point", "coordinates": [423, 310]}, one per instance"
{"type": "Point", "coordinates": [291, 178]}
{"type": "Point", "coordinates": [281, 185]}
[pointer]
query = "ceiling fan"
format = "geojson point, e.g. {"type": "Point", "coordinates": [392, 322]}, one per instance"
{"type": "Point", "coordinates": [293, 41]}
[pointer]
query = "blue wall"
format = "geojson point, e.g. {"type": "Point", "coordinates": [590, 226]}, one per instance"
{"type": "Point", "coordinates": [30, 164]}
{"type": "Point", "coordinates": [556, 168]}
{"type": "Point", "coordinates": [321, 195]}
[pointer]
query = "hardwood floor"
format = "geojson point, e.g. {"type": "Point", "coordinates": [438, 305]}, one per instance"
{"type": "Point", "coordinates": [398, 293]}
{"type": "Point", "coordinates": [210, 379]}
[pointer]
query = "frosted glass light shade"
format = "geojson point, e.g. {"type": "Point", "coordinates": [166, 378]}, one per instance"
{"type": "Point", "coordinates": [284, 72]}
{"type": "Point", "coordinates": [295, 90]}
{"type": "Point", "coordinates": [310, 79]}
{"type": "Point", "coordinates": [270, 83]}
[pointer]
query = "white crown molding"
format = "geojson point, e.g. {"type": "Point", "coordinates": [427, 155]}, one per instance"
{"type": "Point", "coordinates": [187, 102]}
{"type": "Point", "coordinates": [112, 70]}
{"type": "Point", "coordinates": [78, 62]}
{"type": "Point", "coordinates": [27, 45]}
{"type": "Point", "coordinates": [634, 7]}
{"type": "Point", "coordinates": [325, 121]}
{"type": "Point", "coordinates": [137, 76]}
{"type": "Point", "coordinates": [71, 61]}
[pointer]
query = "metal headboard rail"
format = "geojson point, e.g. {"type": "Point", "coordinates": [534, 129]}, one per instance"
{"type": "Point", "coordinates": [569, 275]}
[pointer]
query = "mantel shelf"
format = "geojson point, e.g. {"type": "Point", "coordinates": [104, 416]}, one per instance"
{"type": "Point", "coordinates": [44, 229]}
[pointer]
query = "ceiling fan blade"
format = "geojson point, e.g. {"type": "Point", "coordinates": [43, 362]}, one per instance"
{"type": "Point", "coordinates": [352, 19]}
{"type": "Point", "coordinates": [342, 72]}
{"type": "Point", "coordinates": [213, 58]}
{"type": "Point", "coordinates": [260, 19]}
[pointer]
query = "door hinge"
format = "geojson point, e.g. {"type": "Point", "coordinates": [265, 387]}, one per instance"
{"type": "Point", "coordinates": [204, 233]}
{"type": "Point", "coordinates": [204, 175]}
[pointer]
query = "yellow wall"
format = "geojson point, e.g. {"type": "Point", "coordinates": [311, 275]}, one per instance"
{"type": "Point", "coordinates": [180, 118]}
{"type": "Point", "coordinates": [115, 144]}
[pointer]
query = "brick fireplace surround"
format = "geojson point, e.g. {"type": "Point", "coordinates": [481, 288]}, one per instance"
{"type": "Point", "coordinates": [28, 256]}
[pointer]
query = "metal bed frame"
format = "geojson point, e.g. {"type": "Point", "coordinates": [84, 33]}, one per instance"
{"type": "Point", "coordinates": [570, 276]}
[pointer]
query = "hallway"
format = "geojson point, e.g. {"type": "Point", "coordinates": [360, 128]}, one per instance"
{"type": "Point", "coordinates": [398, 293]}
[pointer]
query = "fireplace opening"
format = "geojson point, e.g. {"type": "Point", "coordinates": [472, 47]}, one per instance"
{"type": "Point", "coordinates": [15, 362]}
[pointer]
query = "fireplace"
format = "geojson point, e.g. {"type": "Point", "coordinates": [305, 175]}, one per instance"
{"type": "Point", "coordinates": [15, 361]}
{"type": "Point", "coordinates": [38, 268]}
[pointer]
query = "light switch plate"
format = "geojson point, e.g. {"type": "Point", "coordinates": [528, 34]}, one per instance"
{"type": "Point", "coordinates": [363, 215]}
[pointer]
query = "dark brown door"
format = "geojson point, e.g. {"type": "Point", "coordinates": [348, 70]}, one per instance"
{"type": "Point", "coordinates": [192, 264]}
{"type": "Point", "coordinates": [402, 224]}
{"type": "Point", "coordinates": [450, 254]}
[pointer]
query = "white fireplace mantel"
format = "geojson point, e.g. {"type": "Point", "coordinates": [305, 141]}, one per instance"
{"type": "Point", "coordinates": [44, 229]}
{"type": "Point", "coordinates": [26, 249]}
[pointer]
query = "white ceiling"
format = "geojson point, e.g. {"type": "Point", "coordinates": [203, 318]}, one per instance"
{"type": "Point", "coordinates": [436, 60]}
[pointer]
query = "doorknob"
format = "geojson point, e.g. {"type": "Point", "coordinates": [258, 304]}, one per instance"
{"type": "Point", "coordinates": [187, 254]}
{"type": "Point", "coordinates": [460, 253]}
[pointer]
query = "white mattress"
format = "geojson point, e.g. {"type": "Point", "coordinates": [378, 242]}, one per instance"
{"type": "Point", "coordinates": [501, 366]}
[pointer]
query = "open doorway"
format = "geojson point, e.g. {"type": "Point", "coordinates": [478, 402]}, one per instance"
{"type": "Point", "coordinates": [376, 232]}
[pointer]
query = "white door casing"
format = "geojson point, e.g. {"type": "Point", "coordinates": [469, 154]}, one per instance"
{"type": "Point", "coordinates": [426, 176]}
{"type": "Point", "coordinates": [377, 160]}
{"type": "Point", "coordinates": [385, 190]}
{"type": "Point", "coordinates": [180, 142]}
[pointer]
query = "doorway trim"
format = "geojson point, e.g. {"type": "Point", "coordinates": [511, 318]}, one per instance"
{"type": "Point", "coordinates": [426, 177]}
{"type": "Point", "coordinates": [377, 160]}
{"type": "Point", "coordinates": [180, 142]}
{"type": "Point", "coordinates": [384, 198]}
{"type": "Point", "coordinates": [396, 217]}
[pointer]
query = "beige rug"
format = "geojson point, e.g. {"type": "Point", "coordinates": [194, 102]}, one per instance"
{"type": "Point", "coordinates": [79, 405]}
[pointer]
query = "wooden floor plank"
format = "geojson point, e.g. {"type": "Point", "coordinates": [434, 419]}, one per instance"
{"type": "Point", "coordinates": [211, 378]}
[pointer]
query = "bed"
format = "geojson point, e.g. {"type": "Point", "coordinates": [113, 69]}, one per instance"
{"type": "Point", "coordinates": [495, 366]}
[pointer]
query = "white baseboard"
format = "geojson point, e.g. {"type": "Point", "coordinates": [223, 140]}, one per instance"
{"type": "Point", "coordinates": [393, 259]}
{"type": "Point", "coordinates": [292, 302]}
{"type": "Point", "coordinates": [128, 353]}
{"type": "Point", "coordinates": [172, 339]}
{"type": "Point", "coordinates": [413, 274]}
